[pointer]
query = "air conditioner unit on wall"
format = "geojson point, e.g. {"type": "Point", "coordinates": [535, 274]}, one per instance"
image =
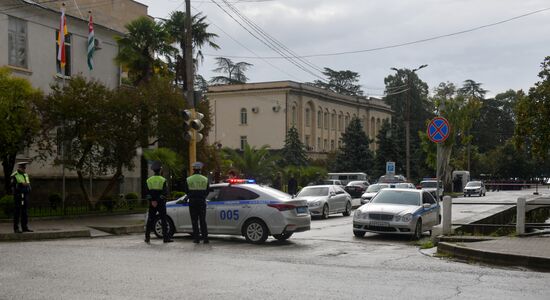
{"type": "Point", "coordinates": [97, 44]}
{"type": "Point", "coordinates": [255, 110]}
{"type": "Point", "coordinates": [276, 108]}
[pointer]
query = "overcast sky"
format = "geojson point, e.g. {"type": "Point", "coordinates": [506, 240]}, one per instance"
{"type": "Point", "coordinates": [501, 57]}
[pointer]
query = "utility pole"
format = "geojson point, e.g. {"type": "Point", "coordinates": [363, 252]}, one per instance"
{"type": "Point", "coordinates": [407, 121]}
{"type": "Point", "coordinates": [190, 86]}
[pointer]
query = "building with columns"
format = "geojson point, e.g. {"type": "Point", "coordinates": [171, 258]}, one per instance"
{"type": "Point", "coordinates": [262, 113]}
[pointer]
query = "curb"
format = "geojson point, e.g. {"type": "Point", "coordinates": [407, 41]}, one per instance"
{"type": "Point", "coordinates": [505, 259]}
{"type": "Point", "coordinates": [465, 239]}
{"type": "Point", "coordinates": [7, 237]}
{"type": "Point", "coordinates": [121, 229]}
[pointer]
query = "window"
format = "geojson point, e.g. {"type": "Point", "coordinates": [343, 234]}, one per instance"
{"type": "Point", "coordinates": [341, 122]}
{"type": "Point", "coordinates": [308, 142]}
{"type": "Point", "coordinates": [339, 144]}
{"type": "Point", "coordinates": [234, 193]}
{"type": "Point", "coordinates": [325, 145]}
{"type": "Point", "coordinates": [346, 123]}
{"type": "Point", "coordinates": [326, 120]}
{"type": "Point", "coordinates": [17, 42]}
{"type": "Point", "coordinates": [67, 54]}
{"type": "Point", "coordinates": [332, 145]}
{"type": "Point", "coordinates": [244, 116]}
{"type": "Point", "coordinates": [333, 121]}
{"type": "Point", "coordinates": [318, 144]}
{"type": "Point", "coordinates": [308, 117]}
{"type": "Point", "coordinates": [293, 122]}
{"type": "Point", "coordinates": [243, 142]}
{"type": "Point", "coordinates": [427, 198]}
{"type": "Point", "coordinates": [319, 119]}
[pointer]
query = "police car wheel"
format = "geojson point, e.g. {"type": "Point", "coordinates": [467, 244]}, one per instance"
{"type": "Point", "coordinates": [358, 233]}
{"type": "Point", "coordinates": [283, 236]}
{"type": "Point", "coordinates": [347, 212]}
{"type": "Point", "coordinates": [157, 229]}
{"type": "Point", "coordinates": [255, 231]}
{"type": "Point", "coordinates": [324, 215]}
{"type": "Point", "coordinates": [418, 230]}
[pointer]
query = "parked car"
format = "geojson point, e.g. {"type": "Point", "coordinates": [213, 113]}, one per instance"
{"type": "Point", "coordinates": [345, 178]}
{"type": "Point", "coordinates": [242, 208]}
{"type": "Point", "coordinates": [372, 190]}
{"type": "Point", "coordinates": [475, 188]}
{"type": "Point", "coordinates": [398, 211]}
{"type": "Point", "coordinates": [430, 185]}
{"type": "Point", "coordinates": [403, 185]}
{"type": "Point", "coordinates": [333, 182]}
{"type": "Point", "coordinates": [356, 188]}
{"type": "Point", "coordinates": [323, 200]}
{"type": "Point", "coordinates": [391, 179]}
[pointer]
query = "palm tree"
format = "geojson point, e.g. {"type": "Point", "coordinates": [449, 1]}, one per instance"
{"type": "Point", "coordinates": [138, 49]}
{"type": "Point", "coordinates": [234, 71]}
{"type": "Point", "coordinates": [175, 26]}
{"type": "Point", "coordinates": [254, 163]}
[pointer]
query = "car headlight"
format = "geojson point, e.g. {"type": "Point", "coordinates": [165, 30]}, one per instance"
{"type": "Point", "coordinates": [397, 218]}
{"type": "Point", "coordinates": [358, 214]}
{"type": "Point", "coordinates": [407, 218]}
{"type": "Point", "coordinates": [316, 203]}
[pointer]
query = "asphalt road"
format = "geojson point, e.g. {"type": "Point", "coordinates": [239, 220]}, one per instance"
{"type": "Point", "coordinates": [327, 262]}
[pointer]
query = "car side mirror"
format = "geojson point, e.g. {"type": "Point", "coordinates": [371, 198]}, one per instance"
{"type": "Point", "coordinates": [426, 205]}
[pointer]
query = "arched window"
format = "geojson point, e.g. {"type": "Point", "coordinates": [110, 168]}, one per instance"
{"type": "Point", "coordinates": [341, 122]}
{"type": "Point", "coordinates": [293, 122]}
{"type": "Point", "coordinates": [308, 117]}
{"type": "Point", "coordinates": [346, 122]}
{"type": "Point", "coordinates": [244, 116]}
{"type": "Point", "coordinates": [319, 119]}
{"type": "Point", "coordinates": [326, 119]}
{"type": "Point", "coordinates": [333, 121]}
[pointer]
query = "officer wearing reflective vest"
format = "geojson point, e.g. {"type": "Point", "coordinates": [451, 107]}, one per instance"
{"type": "Point", "coordinates": [21, 186]}
{"type": "Point", "coordinates": [197, 188]}
{"type": "Point", "coordinates": [157, 193]}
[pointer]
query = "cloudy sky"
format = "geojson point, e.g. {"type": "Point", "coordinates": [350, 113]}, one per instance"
{"type": "Point", "coordinates": [506, 55]}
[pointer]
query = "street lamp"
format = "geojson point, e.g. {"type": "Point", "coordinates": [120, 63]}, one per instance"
{"type": "Point", "coordinates": [407, 120]}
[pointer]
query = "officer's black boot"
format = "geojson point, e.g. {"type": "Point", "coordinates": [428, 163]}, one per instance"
{"type": "Point", "coordinates": [147, 237]}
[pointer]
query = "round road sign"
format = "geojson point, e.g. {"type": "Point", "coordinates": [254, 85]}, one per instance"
{"type": "Point", "coordinates": [438, 130]}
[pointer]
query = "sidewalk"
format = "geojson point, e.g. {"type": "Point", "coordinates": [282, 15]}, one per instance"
{"type": "Point", "coordinates": [82, 226]}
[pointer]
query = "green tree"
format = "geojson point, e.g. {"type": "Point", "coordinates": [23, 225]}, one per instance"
{"type": "Point", "coordinates": [341, 82]}
{"type": "Point", "coordinates": [253, 163]}
{"type": "Point", "coordinates": [234, 71]}
{"type": "Point", "coordinates": [533, 112]}
{"type": "Point", "coordinates": [140, 47]}
{"type": "Point", "coordinates": [294, 151]}
{"type": "Point", "coordinates": [19, 120]}
{"type": "Point", "coordinates": [472, 89]}
{"type": "Point", "coordinates": [354, 155]}
{"type": "Point", "coordinates": [175, 26]}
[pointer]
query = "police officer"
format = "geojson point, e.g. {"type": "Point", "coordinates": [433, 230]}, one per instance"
{"type": "Point", "coordinates": [157, 192]}
{"type": "Point", "coordinates": [21, 186]}
{"type": "Point", "coordinates": [196, 188]}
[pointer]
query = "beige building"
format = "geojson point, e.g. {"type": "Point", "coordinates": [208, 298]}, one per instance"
{"type": "Point", "coordinates": [262, 113]}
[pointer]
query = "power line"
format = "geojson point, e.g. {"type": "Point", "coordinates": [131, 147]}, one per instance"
{"type": "Point", "coordinates": [402, 44]}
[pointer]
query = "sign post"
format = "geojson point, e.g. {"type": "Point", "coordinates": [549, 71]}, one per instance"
{"type": "Point", "coordinates": [438, 131]}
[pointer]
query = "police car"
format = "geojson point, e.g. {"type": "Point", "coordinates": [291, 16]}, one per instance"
{"type": "Point", "coordinates": [242, 207]}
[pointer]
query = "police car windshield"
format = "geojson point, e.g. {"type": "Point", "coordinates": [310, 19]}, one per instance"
{"type": "Point", "coordinates": [396, 197]}
{"type": "Point", "coordinates": [313, 191]}
{"type": "Point", "coordinates": [376, 187]}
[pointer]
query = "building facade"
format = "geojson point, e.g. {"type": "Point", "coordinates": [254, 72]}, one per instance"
{"type": "Point", "coordinates": [262, 113]}
{"type": "Point", "coordinates": [28, 47]}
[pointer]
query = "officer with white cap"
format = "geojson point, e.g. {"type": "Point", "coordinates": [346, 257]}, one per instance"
{"type": "Point", "coordinates": [197, 188]}
{"type": "Point", "coordinates": [21, 186]}
{"type": "Point", "coordinates": [157, 192]}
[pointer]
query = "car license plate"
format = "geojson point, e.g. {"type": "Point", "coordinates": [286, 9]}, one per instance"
{"type": "Point", "coordinates": [301, 210]}
{"type": "Point", "coordinates": [380, 224]}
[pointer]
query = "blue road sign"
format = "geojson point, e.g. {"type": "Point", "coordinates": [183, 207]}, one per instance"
{"type": "Point", "coordinates": [438, 130]}
{"type": "Point", "coordinates": [390, 167]}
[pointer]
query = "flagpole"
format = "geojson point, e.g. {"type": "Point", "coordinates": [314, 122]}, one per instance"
{"type": "Point", "coordinates": [61, 43]}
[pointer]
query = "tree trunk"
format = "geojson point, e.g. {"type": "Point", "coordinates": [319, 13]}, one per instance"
{"type": "Point", "coordinates": [112, 182]}
{"type": "Point", "coordinates": [79, 173]}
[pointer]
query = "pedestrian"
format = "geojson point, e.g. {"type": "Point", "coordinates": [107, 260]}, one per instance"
{"type": "Point", "coordinates": [197, 188]}
{"type": "Point", "coordinates": [277, 182]}
{"type": "Point", "coordinates": [21, 186]}
{"type": "Point", "coordinates": [292, 185]}
{"type": "Point", "coordinates": [157, 193]}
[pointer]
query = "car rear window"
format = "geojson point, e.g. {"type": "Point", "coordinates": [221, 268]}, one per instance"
{"type": "Point", "coordinates": [236, 193]}
{"type": "Point", "coordinates": [313, 191]}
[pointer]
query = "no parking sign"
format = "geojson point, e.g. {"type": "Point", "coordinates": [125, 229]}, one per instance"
{"type": "Point", "coordinates": [438, 130]}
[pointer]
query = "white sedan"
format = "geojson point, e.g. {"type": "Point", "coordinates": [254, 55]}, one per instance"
{"type": "Point", "coordinates": [326, 199]}
{"type": "Point", "coordinates": [398, 211]}
{"type": "Point", "coordinates": [246, 209]}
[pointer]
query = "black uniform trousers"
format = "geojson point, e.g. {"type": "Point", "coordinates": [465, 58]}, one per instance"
{"type": "Point", "coordinates": [197, 210]}
{"type": "Point", "coordinates": [152, 217]}
{"type": "Point", "coordinates": [21, 201]}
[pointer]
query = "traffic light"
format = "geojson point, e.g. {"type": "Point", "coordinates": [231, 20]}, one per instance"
{"type": "Point", "coordinates": [192, 123]}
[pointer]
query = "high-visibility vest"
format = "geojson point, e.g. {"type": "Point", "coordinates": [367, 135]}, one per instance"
{"type": "Point", "coordinates": [156, 182]}
{"type": "Point", "coordinates": [21, 178]}
{"type": "Point", "coordinates": [197, 182]}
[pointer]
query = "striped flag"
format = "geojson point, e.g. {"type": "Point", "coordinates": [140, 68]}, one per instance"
{"type": "Point", "coordinates": [61, 39]}
{"type": "Point", "coordinates": [91, 43]}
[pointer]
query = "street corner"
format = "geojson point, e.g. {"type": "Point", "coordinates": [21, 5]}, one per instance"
{"type": "Point", "coordinates": [44, 235]}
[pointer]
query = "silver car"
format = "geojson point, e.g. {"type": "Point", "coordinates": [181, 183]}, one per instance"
{"type": "Point", "coordinates": [397, 211]}
{"type": "Point", "coordinates": [372, 190]}
{"type": "Point", "coordinates": [323, 200]}
{"type": "Point", "coordinates": [250, 210]}
{"type": "Point", "coordinates": [475, 188]}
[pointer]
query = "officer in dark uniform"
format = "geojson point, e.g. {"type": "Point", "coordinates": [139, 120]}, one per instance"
{"type": "Point", "coordinates": [21, 186]}
{"type": "Point", "coordinates": [157, 192]}
{"type": "Point", "coordinates": [197, 188]}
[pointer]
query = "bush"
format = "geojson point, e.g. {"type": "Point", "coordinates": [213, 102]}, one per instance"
{"type": "Point", "coordinates": [7, 205]}
{"type": "Point", "coordinates": [55, 200]}
{"type": "Point", "coordinates": [177, 194]}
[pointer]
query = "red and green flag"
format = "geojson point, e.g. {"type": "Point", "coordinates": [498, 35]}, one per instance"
{"type": "Point", "coordinates": [91, 43]}
{"type": "Point", "coordinates": [61, 39]}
